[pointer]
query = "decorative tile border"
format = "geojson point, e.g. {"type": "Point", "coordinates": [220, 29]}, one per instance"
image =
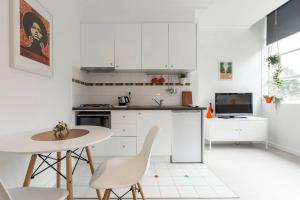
{"type": "Point", "coordinates": [125, 84]}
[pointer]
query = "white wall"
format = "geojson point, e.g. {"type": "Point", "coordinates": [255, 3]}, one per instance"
{"type": "Point", "coordinates": [284, 126]}
{"type": "Point", "coordinates": [30, 101]}
{"type": "Point", "coordinates": [243, 48]}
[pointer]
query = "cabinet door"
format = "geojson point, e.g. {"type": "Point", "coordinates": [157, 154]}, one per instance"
{"type": "Point", "coordinates": [253, 130]}
{"type": "Point", "coordinates": [224, 130]}
{"type": "Point", "coordinates": [154, 46]}
{"type": "Point", "coordinates": [163, 119]}
{"type": "Point", "coordinates": [128, 52]}
{"type": "Point", "coordinates": [97, 45]}
{"type": "Point", "coordinates": [182, 46]}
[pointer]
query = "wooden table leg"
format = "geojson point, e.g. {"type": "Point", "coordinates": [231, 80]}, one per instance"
{"type": "Point", "coordinates": [133, 192]}
{"type": "Point", "coordinates": [69, 175]}
{"type": "Point", "coordinates": [58, 168]}
{"type": "Point", "coordinates": [92, 168]}
{"type": "Point", "coordinates": [30, 169]}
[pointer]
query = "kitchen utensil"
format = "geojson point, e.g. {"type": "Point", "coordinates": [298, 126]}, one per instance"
{"type": "Point", "coordinates": [187, 99]}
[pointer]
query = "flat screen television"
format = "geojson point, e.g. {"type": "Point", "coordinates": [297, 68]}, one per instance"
{"type": "Point", "coordinates": [233, 104]}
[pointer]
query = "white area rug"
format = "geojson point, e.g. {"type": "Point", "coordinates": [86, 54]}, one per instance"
{"type": "Point", "coordinates": [164, 181]}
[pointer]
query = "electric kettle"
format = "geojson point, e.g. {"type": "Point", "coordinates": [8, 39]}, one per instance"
{"type": "Point", "coordinates": [123, 100]}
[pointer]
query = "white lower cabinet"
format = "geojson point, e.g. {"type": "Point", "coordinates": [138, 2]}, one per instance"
{"type": "Point", "coordinates": [250, 129]}
{"type": "Point", "coordinates": [130, 129]}
{"type": "Point", "coordinates": [116, 146]}
{"type": "Point", "coordinates": [163, 119]}
{"type": "Point", "coordinates": [253, 130]}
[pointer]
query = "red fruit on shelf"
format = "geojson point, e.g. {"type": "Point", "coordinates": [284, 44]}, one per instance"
{"type": "Point", "coordinates": [161, 80]}
{"type": "Point", "coordinates": [154, 80]}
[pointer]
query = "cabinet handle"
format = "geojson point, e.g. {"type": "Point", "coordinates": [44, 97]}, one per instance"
{"type": "Point", "coordinates": [117, 66]}
{"type": "Point", "coordinates": [172, 66]}
{"type": "Point", "coordinates": [166, 66]}
{"type": "Point", "coordinates": [124, 129]}
{"type": "Point", "coordinates": [111, 64]}
{"type": "Point", "coordinates": [123, 117]}
{"type": "Point", "coordinates": [123, 146]}
{"type": "Point", "coordinates": [140, 113]}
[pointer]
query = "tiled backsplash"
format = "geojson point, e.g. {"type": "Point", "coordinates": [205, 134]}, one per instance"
{"type": "Point", "coordinates": [125, 84]}
{"type": "Point", "coordinates": [106, 87]}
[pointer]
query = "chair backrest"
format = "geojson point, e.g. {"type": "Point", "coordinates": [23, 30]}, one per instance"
{"type": "Point", "coordinates": [145, 153]}
{"type": "Point", "coordinates": [4, 195]}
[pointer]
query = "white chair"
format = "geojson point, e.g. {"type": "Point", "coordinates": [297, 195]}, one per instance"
{"type": "Point", "coordinates": [31, 193]}
{"type": "Point", "coordinates": [124, 172]}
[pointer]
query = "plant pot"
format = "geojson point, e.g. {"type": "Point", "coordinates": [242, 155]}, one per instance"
{"type": "Point", "coordinates": [59, 135]}
{"type": "Point", "coordinates": [182, 81]}
{"type": "Point", "coordinates": [269, 99]}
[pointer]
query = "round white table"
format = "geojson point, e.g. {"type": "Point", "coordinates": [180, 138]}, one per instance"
{"type": "Point", "coordinates": [23, 143]}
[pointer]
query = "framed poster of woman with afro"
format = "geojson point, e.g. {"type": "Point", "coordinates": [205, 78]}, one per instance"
{"type": "Point", "coordinates": [31, 34]}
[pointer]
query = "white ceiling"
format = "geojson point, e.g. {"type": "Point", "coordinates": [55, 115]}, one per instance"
{"type": "Point", "coordinates": [141, 10]}
{"type": "Point", "coordinates": [238, 14]}
{"type": "Point", "coordinates": [207, 13]}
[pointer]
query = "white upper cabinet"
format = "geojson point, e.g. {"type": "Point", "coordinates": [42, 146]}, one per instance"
{"type": "Point", "coordinates": [97, 45]}
{"type": "Point", "coordinates": [128, 47]}
{"type": "Point", "coordinates": [154, 46]}
{"type": "Point", "coordinates": [146, 47]}
{"type": "Point", "coordinates": [182, 46]}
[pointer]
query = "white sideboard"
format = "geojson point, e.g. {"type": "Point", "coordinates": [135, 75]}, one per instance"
{"type": "Point", "coordinates": [249, 129]}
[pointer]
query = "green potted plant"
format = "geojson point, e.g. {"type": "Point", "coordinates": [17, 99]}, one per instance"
{"type": "Point", "coordinates": [183, 78]}
{"type": "Point", "coordinates": [61, 130]}
{"type": "Point", "coordinates": [274, 61]}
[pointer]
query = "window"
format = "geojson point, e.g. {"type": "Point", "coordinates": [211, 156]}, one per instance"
{"type": "Point", "coordinates": [289, 50]}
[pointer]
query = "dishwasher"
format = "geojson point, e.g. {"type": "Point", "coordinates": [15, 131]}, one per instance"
{"type": "Point", "coordinates": [187, 141]}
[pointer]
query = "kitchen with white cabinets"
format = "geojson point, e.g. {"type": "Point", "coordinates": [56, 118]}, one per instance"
{"type": "Point", "coordinates": [122, 59]}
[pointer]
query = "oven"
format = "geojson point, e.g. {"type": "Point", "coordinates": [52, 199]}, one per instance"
{"type": "Point", "coordinates": [93, 118]}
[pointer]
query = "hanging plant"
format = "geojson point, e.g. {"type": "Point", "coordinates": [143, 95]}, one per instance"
{"type": "Point", "coordinates": [274, 61]}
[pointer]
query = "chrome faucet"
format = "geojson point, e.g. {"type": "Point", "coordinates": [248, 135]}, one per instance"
{"type": "Point", "coordinates": [159, 102]}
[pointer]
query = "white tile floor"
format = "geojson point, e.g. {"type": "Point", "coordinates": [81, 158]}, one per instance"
{"type": "Point", "coordinates": [255, 173]}
{"type": "Point", "coordinates": [249, 170]}
{"type": "Point", "coordinates": [173, 181]}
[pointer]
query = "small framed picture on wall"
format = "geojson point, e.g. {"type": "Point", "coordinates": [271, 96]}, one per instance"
{"type": "Point", "coordinates": [225, 70]}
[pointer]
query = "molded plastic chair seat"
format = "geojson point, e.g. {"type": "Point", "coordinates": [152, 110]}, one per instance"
{"type": "Point", "coordinates": [118, 172]}
{"type": "Point", "coordinates": [32, 193]}
{"type": "Point", "coordinates": [123, 172]}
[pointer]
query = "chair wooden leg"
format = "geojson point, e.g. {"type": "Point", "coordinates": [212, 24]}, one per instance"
{"type": "Point", "coordinates": [105, 194]}
{"type": "Point", "coordinates": [141, 190]}
{"type": "Point", "coordinates": [30, 169]}
{"type": "Point", "coordinates": [58, 168]}
{"type": "Point", "coordinates": [69, 175]}
{"type": "Point", "coordinates": [108, 194]}
{"type": "Point", "coordinates": [133, 192]}
{"type": "Point", "coordinates": [92, 168]}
